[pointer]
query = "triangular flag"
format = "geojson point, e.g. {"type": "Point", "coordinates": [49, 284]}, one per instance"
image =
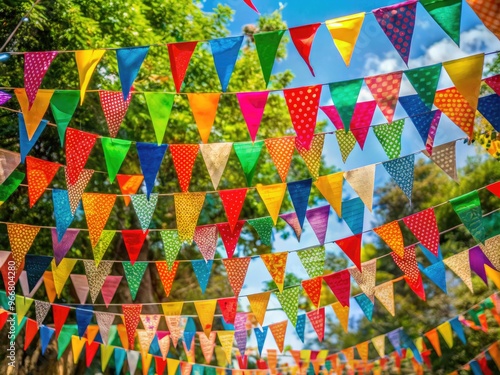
{"type": "Point", "coordinates": [366, 278]}
{"type": "Point", "coordinates": [353, 212]}
{"type": "Point", "coordinates": [453, 104]}
{"type": "Point", "coordinates": [248, 154]}
{"type": "Point", "coordinates": [444, 156]}
{"type": "Point", "coordinates": [78, 147]}
{"type": "Point", "coordinates": [60, 313]}
{"type": "Point", "coordinates": [175, 327]}
{"type": "Point", "coordinates": [180, 55]}
{"type": "Point", "coordinates": [272, 196]}
{"type": "Point", "coordinates": [131, 318]}
{"type": "Point", "coordinates": [346, 141]}
{"type": "Point", "coordinates": [362, 180]}
{"type": "Point", "coordinates": [389, 136]}
{"type": "Point", "coordinates": [379, 344]}
{"type": "Point", "coordinates": [233, 200]}
{"type": "Point", "coordinates": [77, 344]}
{"type": "Point", "coordinates": [407, 262]}
{"type": "Point", "coordinates": [468, 209]}
{"type": "Point", "coordinates": [86, 62]}
{"type": "Point", "coordinates": [115, 151]}
{"type": "Point", "coordinates": [75, 191]}
{"type": "Point", "coordinates": [92, 332]}
{"type": "Point", "coordinates": [279, 331]}
{"type": "Point", "coordinates": [362, 349]}
{"type": "Point", "coordinates": [129, 184]}
{"type": "Point", "coordinates": [63, 104]}
{"type": "Point", "coordinates": [292, 220]}
{"type": "Point", "coordinates": [35, 266]}
{"type": "Point", "coordinates": [459, 264]}
{"type": "Point", "coordinates": [46, 334]}
{"type": "Point", "coordinates": [385, 294]}
{"type": "Point", "coordinates": [4, 97]}
{"type": "Point", "coordinates": [317, 319]}
{"type": "Point", "coordinates": [183, 157]}
{"type": "Point", "coordinates": [302, 38]}
{"type": "Point", "coordinates": [119, 357]}
{"type": "Point", "coordinates": [97, 209]}
{"type": "Point", "coordinates": [202, 270]}
{"type": "Point", "coordinates": [81, 285]}
{"type": "Point", "coordinates": [132, 360]}
{"type": "Point", "coordinates": [41, 310]}
{"type": "Point", "coordinates": [267, 44]}
{"type": "Point", "coordinates": [144, 208]}
{"type": "Point", "coordinates": [478, 261]}
{"type": "Point", "coordinates": [215, 156]}
{"type": "Point", "coordinates": [31, 331]}
{"type": "Point", "coordinates": [26, 143]}
{"type": "Point", "coordinates": [226, 339]}
{"type": "Point", "coordinates": [251, 5]}
{"type": "Point", "coordinates": [313, 260]}
{"type": "Point", "coordinates": [490, 249]}
{"type": "Point", "coordinates": [33, 114]}
{"type": "Point", "coordinates": [351, 246]}
{"type": "Point", "coordinates": [401, 170]}
{"type": "Point", "coordinates": [205, 311]}
{"type": "Point", "coordinates": [397, 21]}
{"type": "Point", "coordinates": [40, 173]}
{"type": "Point", "coordinates": [252, 106]}
{"type": "Point", "coordinates": [264, 228]}
{"type": "Point", "coordinates": [424, 226]}
{"type": "Point", "coordinates": [21, 238]}
{"type": "Point", "coordinates": [129, 62]}
{"type": "Point", "coordinates": [457, 326]}
{"type": "Point", "coordinates": [207, 347]}
{"type": "Point", "coordinates": [299, 193]}
{"type": "Point", "coordinates": [171, 245]}
{"type": "Point", "coordinates": [340, 284]}
{"type": "Point", "coordinates": [102, 245]}
{"type": "Point", "coordinates": [361, 120]}
{"type": "Point", "coordinates": [206, 237]}
{"type": "Point", "coordinates": [10, 185]}
{"type": "Point", "coordinates": [330, 187]}
{"type": "Point", "coordinates": [23, 305]}
{"type": "Point", "coordinates": [172, 366]}
{"type": "Point", "coordinates": [312, 287]}
{"type": "Point", "coordinates": [258, 304]}
{"type": "Point", "coordinates": [425, 81]}
{"type": "Point", "coordinates": [466, 74]}
{"type": "Point", "coordinates": [97, 276]}
{"type": "Point", "coordinates": [276, 265]}
{"type": "Point", "coordinates": [281, 151]}
{"type": "Point", "coordinates": [167, 275]}
{"type": "Point", "coordinates": [488, 107]}
{"type": "Point", "coordinates": [303, 105]}
{"type": "Point", "coordinates": [83, 318]}
{"type": "Point", "coordinates": [392, 236]}
{"type": "Point", "coordinates": [342, 313]}
{"type": "Point", "coordinates": [445, 331]}
{"type": "Point", "coordinates": [228, 307]}
{"type": "Point", "coordinates": [365, 304]}
{"type": "Point", "coordinates": [36, 65]}
{"type": "Point", "coordinates": [385, 91]}
{"type": "Point", "coordinates": [159, 107]}
{"type": "Point", "coordinates": [437, 273]}
{"type": "Point", "coordinates": [261, 337]}
{"type": "Point", "coordinates": [289, 300]}
{"type": "Point", "coordinates": [447, 14]}
{"type": "Point", "coordinates": [236, 269]}
{"type": "Point", "coordinates": [187, 210]}
{"type": "Point", "coordinates": [50, 289]}
{"type": "Point", "coordinates": [494, 83]}
{"type": "Point", "coordinates": [150, 157]}
{"type": "Point", "coordinates": [345, 31]}
{"type": "Point", "coordinates": [333, 115]}
{"type": "Point", "coordinates": [9, 161]}
{"type": "Point", "coordinates": [64, 339]}
{"type": "Point", "coordinates": [106, 353]}
{"type": "Point", "coordinates": [486, 11]}
{"type": "Point", "coordinates": [133, 274]}
{"type": "Point", "coordinates": [204, 108]}
{"type": "Point", "coordinates": [318, 220]}
{"type": "Point", "coordinates": [225, 52]}
{"type": "Point", "coordinates": [114, 107]}
{"type": "Point", "coordinates": [433, 338]}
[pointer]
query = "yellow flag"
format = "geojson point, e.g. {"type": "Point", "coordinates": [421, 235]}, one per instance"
{"type": "Point", "coordinates": [206, 311]}
{"type": "Point", "coordinates": [493, 275]}
{"type": "Point", "coordinates": [258, 304]}
{"type": "Point", "coordinates": [459, 263]}
{"type": "Point", "coordinates": [226, 339]}
{"type": "Point", "coordinates": [86, 62]}
{"type": "Point", "coordinates": [272, 195]}
{"type": "Point", "coordinates": [220, 355]}
{"type": "Point", "coordinates": [61, 273]}
{"type": "Point", "coordinates": [362, 349]}
{"type": "Point", "coordinates": [33, 116]}
{"type": "Point", "coordinates": [276, 265]}
{"type": "Point", "coordinates": [172, 366]}
{"type": "Point", "coordinates": [77, 344]}
{"type": "Point", "coordinates": [342, 313]}
{"type": "Point", "coordinates": [146, 363]}
{"type": "Point", "coordinates": [379, 345]}
{"type": "Point", "coordinates": [187, 211]}
{"type": "Point", "coordinates": [445, 331]}
{"type": "Point", "coordinates": [172, 308]}
{"type": "Point", "coordinates": [204, 107]}
{"type": "Point", "coordinates": [385, 294]}
{"type": "Point", "coordinates": [331, 188]}
{"type": "Point", "coordinates": [106, 353]}
{"type": "Point", "coordinates": [466, 74]}
{"type": "Point", "coordinates": [345, 32]}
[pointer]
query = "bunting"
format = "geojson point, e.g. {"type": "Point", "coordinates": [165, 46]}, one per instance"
{"type": "Point", "coordinates": [362, 180]}
{"type": "Point", "coordinates": [78, 147]}
{"type": "Point", "coordinates": [236, 269]}
{"type": "Point", "coordinates": [115, 151]}
{"type": "Point", "coordinates": [264, 228]}
{"type": "Point", "coordinates": [392, 235]}
{"type": "Point", "coordinates": [281, 152]}
{"type": "Point", "coordinates": [292, 220]}
{"type": "Point", "coordinates": [75, 191]}
{"type": "Point", "coordinates": [444, 156]}
{"type": "Point", "coordinates": [353, 212]}
{"type": "Point", "coordinates": [302, 38]}
{"type": "Point", "coordinates": [35, 266]}
{"type": "Point", "coordinates": [36, 65]}
{"type": "Point", "coordinates": [459, 264]}
{"type": "Point", "coordinates": [215, 156]}
{"type": "Point", "coordinates": [114, 107]}
{"type": "Point", "coordinates": [385, 90]}
{"type": "Point", "coordinates": [230, 238]}
{"type": "Point", "coordinates": [317, 319]}
{"type": "Point", "coordinates": [97, 276]}
{"type": "Point", "coordinates": [486, 11]}
{"type": "Point", "coordinates": [21, 238]}
{"type": "Point", "coordinates": [340, 285]}
{"type": "Point", "coordinates": [131, 318]}
{"type": "Point", "coordinates": [289, 300]}
{"type": "Point", "coordinates": [26, 143]}
{"type": "Point", "coordinates": [366, 305]}
{"type": "Point", "coordinates": [206, 239]}
{"type": "Point", "coordinates": [226, 339]}
{"type": "Point", "coordinates": [425, 81]}
{"type": "Point", "coordinates": [361, 120]}
{"type": "Point", "coordinates": [171, 245]}
{"type": "Point", "coordinates": [129, 184]}
{"type": "Point", "coordinates": [447, 15]}
{"type": "Point", "coordinates": [167, 275]}
{"type": "Point", "coordinates": [351, 246]}
{"type": "Point", "coordinates": [258, 304]}
{"type": "Point", "coordinates": [272, 196]}
{"type": "Point", "coordinates": [345, 32]}
{"type": "Point", "coordinates": [389, 136]}
{"type": "Point", "coordinates": [180, 55]}
{"type": "Point", "coordinates": [225, 52]}
{"type": "Point", "coordinates": [248, 154]}
{"type": "Point", "coordinates": [63, 105]}
{"type": "Point", "coordinates": [267, 44]}
{"type": "Point", "coordinates": [366, 278]}
{"type": "Point", "coordinates": [187, 210]}
{"type": "Point", "coordinates": [312, 156]}
{"type": "Point", "coordinates": [97, 209]}
{"type": "Point", "coordinates": [276, 265]}
{"type": "Point", "coordinates": [159, 107]}
{"type": "Point", "coordinates": [312, 287]}
{"type": "Point", "coordinates": [202, 270]}
{"type": "Point", "coordinates": [346, 141]}
{"type": "Point", "coordinates": [313, 260]}
{"type": "Point", "coordinates": [466, 74]}
{"type": "Point", "coordinates": [81, 285]}
{"type": "Point", "coordinates": [184, 156]}
{"type": "Point", "coordinates": [228, 307]}
{"type": "Point", "coordinates": [86, 62]}
{"type": "Point", "coordinates": [468, 209]}
{"type": "Point", "coordinates": [134, 273]}
{"type": "Point", "coordinates": [233, 201]}
{"type": "Point", "coordinates": [401, 170]}
{"type": "Point", "coordinates": [129, 62]}
{"type": "Point", "coordinates": [252, 106]}
{"type": "Point", "coordinates": [453, 104]}
{"type": "Point", "coordinates": [299, 193]}
{"type": "Point", "coordinates": [279, 331]}
{"type": "Point", "coordinates": [150, 157]}
{"type": "Point", "coordinates": [9, 161]}
{"type": "Point", "coordinates": [342, 313]}
{"type": "Point", "coordinates": [40, 173]}
{"type": "Point", "coordinates": [318, 219]}
{"type": "Point", "coordinates": [385, 294]}
{"type": "Point", "coordinates": [102, 245]}
{"type": "Point", "coordinates": [205, 311]}
{"type": "Point", "coordinates": [330, 186]}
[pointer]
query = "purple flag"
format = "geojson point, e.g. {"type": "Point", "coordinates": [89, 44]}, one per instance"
{"type": "Point", "coordinates": [477, 261]}
{"type": "Point", "coordinates": [61, 247]}
{"type": "Point", "coordinates": [318, 219]}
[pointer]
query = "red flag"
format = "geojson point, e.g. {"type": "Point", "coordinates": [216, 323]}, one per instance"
{"type": "Point", "coordinates": [78, 147]}
{"type": "Point", "coordinates": [160, 365]}
{"type": "Point", "coordinates": [114, 108]}
{"type": "Point", "coordinates": [31, 331]}
{"type": "Point", "coordinates": [302, 38]}
{"type": "Point", "coordinates": [230, 238]}
{"type": "Point", "coordinates": [134, 239]}
{"type": "Point", "coordinates": [131, 317]}
{"type": "Point", "coordinates": [417, 287]}
{"type": "Point", "coordinates": [250, 4]}
{"type": "Point", "coordinates": [313, 289]}
{"type": "Point", "coordinates": [340, 284]}
{"type": "Point", "coordinates": [408, 263]}
{"type": "Point", "coordinates": [424, 226]}
{"type": "Point", "coordinates": [317, 319]}
{"type": "Point", "coordinates": [180, 55]}
{"type": "Point", "coordinates": [206, 237]}
{"type": "Point", "coordinates": [184, 156]}
{"type": "Point", "coordinates": [36, 65]}
{"type": "Point", "coordinates": [385, 91]}
{"type": "Point", "coordinates": [233, 200]}
{"type": "Point", "coordinates": [494, 188]}
{"type": "Point", "coordinates": [228, 307]}
{"type": "Point", "coordinates": [167, 276]}
{"type": "Point", "coordinates": [236, 269]}
{"type": "Point", "coordinates": [40, 173]}
{"type": "Point", "coordinates": [60, 314]}
{"type": "Point", "coordinates": [351, 246]}
{"type": "Point", "coordinates": [109, 288]}
{"type": "Point", "coordinates": [91, 350]}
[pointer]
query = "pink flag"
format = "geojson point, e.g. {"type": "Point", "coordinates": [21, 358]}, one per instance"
{"type": "Point", "coordinates": [361, 120]}
{"type": "Point", "coordinates": [36, 65]}
{"type": "Point", "coordinates": [252, 106]}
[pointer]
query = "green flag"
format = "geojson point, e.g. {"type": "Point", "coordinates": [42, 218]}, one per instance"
{"type": "Point", "coordinates": [18, 326]}
{"type": "Point", "coordinates": [289, 300]}
{"type": "Point", "coordinates": [468, 209]}
{"type": "Point", "coordinates": [159, 106]}
{"type": "Point", "coordinates": [64, 338]}
{"type": "Point", "coordinates": [10, 185]}
{"type": "Point", "coordinates": [344, 96]}
{"type": "Point", "coordinates": [171, 245]}
{"type": "Point", "coordinates": [447, 14]}
{"type": "Point", "coordinates": [115, 151]}
{"type": "Point", "coordinates": [313, 260]}
{"type": "Point", "coordinates": [248, 154]}
{"type": "Point", "coordinates": [63, 104]}
{"type": "Point", "coordinates": [425, 81]}
{"type": "Point", "coordinates": [264, 228]}
{"type": "Point", "coordinates": [133, 274]}
{"type": "Point", "coordinates": [267, 46]}
{"type": "Point", "coordinates": [389, 136]}
{"type": "Point", "coordinates": [346, 141]}
{"type": "Point", "coordinates": [102, 245]}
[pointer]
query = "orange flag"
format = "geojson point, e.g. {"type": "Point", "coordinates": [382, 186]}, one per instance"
{"type": "Point", "coordinates": [33, 116]}
{"type": "Point", "coordinates": [276, 265]}
{"type": "Point", "coordinates": [433, 338]}
{"type": "Point", "coordinates": [330, 187]}
{"type": "Point", "coordinates": [279, 331]}
{"type": "Point", "coordinates": [40, 173]}
{"type": "Point", "coordinates": [184, 156]}
{"type": "Point", "coordinates": [281, 151]}
{"type": "Point", "coordinates": [453, 104]}
{"type": "Point", "coordinates": [236, 269]}
{"type": "Point", "coordinates": [342, 313]}
{"type": "Point", "coordinates": [206, 310]}
{"type": "Point", "coordinates": [204, 107]}
{"type": "Point", "coordinates": [258, 304]}
{"type": "Point", "coordinates": [391, 234]}
{"type": "Point", "coordinates": [385, 91]}
{"type": "Point", "coordinates": [363, 350]}
{"type": "Point", "coordinates": [21, 238]}
{"type": "Point", "coordinates": [97, 209]}
{"type": "Point", "coordinates": [272, 196]}
{"type": "Point", "coordinates": [129, 184]}
{"type": "Point", "coordinates": [187, 210]}
{"type": "Point", "coordinates": [167, 275]}
{"type": "Point", "coordinates": [313, 289]}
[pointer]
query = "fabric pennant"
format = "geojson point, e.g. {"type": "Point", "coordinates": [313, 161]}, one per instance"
{"type": "Point", "coordinates": [258, 304]}
{"type": "Point", "coordinates": [134, 273]}
{"type": "Point", "coordinates": [466, 74]}
{"type": "Point", "coordinates": [351, 246]}
{"type": "Point", "coordinates": [407, 262]}
{"type": "Point", "coordinates": [425, 79]}
{"type": "Point", "coordinates": [86, 62]}
{"type": "Point", "coordinates": [21, 238]}
{"type": "Point", "coordinates": [78, 147]}
{"type": "Point", "coordinates": [446, 332]}
{"type": "Point", "coordinates": [272, 196]}
{"type": "Point", "coordinates": [312, 156]}
{"type": "Point", "coordinates": [261, 337]}
{"type": "Point", "coordinates": [392, 236]}
{"type": "Point", "coordinates": [228, 307]}
{"type": "Point", "coordinates": [97, 209]}
{"type": "Point", "coordinates": [207, 347]}
{"type": "Point", "coordinates": [159, 107]}
{"type": "Point", "coordinates": [23, 305]}
{"type": "Point", "coordinates": [317, 319]}
{"type": "Point", "coordinates": [252, 106]}
{"type": "Point", "coordinates": [206, 239]}
{"type": "Point", "coordinates": [385, 90]}
{"type": "Point", "coordinates": [251, 5]}
{"type": "Point", "coordinates": [102, 245]}
{"type": "Point", "coordinates": [180, 55]}
{"type": "Point", "coordinates": [302, 38]}
{"type": "Point", "coordinates": [401, 170]}
{"type": "Point", "coordinates": [488, 107]}
{"type": "Point", "coordinates": [97, 276]}
{"type": "Point", "coordinates": [366, 278]}
{"type": "Point", "coordinates": [131, 318]}
{"type": "Point", "coordinates": [345, 31]}
{"type": "Point", "coordinates": [36, 65]}
{"type": "Point", "coordinates": [75, 191]}
{"type": "Point", "coordinates": [114, 107]}
{"type": "Point", "coordinates": [183, 157]}
{"type": "Point", "coordinates": [455, 106]}
{"type": "Point", "coordinates": [353, 212]}
{"type": "Point", "coordinates": [281, 152]}
{"type": "Point", "coordinates": [41, 310]}
{"type": "Point", "coordinates": [303, 105]}
{"type": "Point", "coordinates": [346, 141]}
{"type": "Point", "coordinates": [63, 105]}
{"type": "Point", "coordinates": [225, 52]}
{"type": "Point", "coordinates": [187, 210]}
{"type": "Point", "coordinates": [226, 339]}
{"type": "Point", "coordinates": [478, 262]}
{"type": "Point", "coordinates": [215, 156]}
{"type": "Point", "coordinates": [233, 201]}
{"type": "Point", "coordinates": [424, 226]}
{"type": "Point", "coordinates": [468, 209]}
{"type": "Point", "coordinates": [129, 184]}
{"type": "Point", "coordinates": [172, 244]}
{"type": "Point", "coordinates": [40, 174]}
{"type": "Point", "coordinates": [486, 11]}
{"type": "Point", "coordinates": [129, 60]}
{"type": "Point", "coordinates": [366, 305]}
{"type": "Point", "coordinates": [300, 326]}
{"type": "Point", "coordinates": [267, 44]}
{"type": "Point", "coordinates": [115, 151]}
{"type": "Point", "coordinates": [276, 265]}
{"type": "Point", "coordinates": [144, 208]}
{"type": "Point", "coordinates": [444, 156]}
{"type": "Point", "coordinates": [385, 294]}
{"type": "Point", "coordinates": [494, 83]}
{"type": "Point", "coordinates": [60, 314]}
{"type": "Point", "coordinates": [299, 193]}
{"type": "Point", "coordinates": [202, 271]}
{"type": "Point", "coordinates": [25, 142]}
{"type": "Point", "coordinates": [289, 300]}
{"type": "Point", "coordinates": [31, 331]}
{"type": "Point", "coordinates": [426, 126]}
{"type": "Point", "coordinates": [248, 154]}
{"type": "Point", "coordinates": [362, 180]}
{"type": "Point", "coordinates": [292, 220]}
{"type": "Point", "coordinates": [50, 288]}
{"type": "Point", "coordinates": [459, 264]}
{"type": "Point", "coordinates": [4, 97]}
{"type": "Point", "coordinates": [150, 157]}
{"type": "Point", "coordinates": [236, 269]}
{"type": "Point", "coordinates": [342, 313]}
{"type": "Point", "coordinates": [389, 136]}
{"type": "Point", "coordinates": [312, 287]}
{"type": "Point", "coordinates": [264, 228]}
{"type": "Point", "coordinates": [204, 108]}
{"type": "Point", "coordinates": [340, 285]}
{"type": "Point", "coordinates": [46, 334]}
{"type": "Point", "coordinates": [230, 238]}
{"type": "Point", "coordinates": [167, 275]}
{"type": "Point", "coordinates": [313, 260]}
{"type": "Point", "coordinates": [361, 120]}
{"type": "Point", "coordinates": [205, 310]}
{"type": "Point", "coordinates": [35, 266]}
{"type": "Point", "coordinates": [279, 331]}
{"type": "Point", "coordinates": [330, 186]}
{"type": "Point", "coordinates": [83, 319]}
{"type": "Point", "coordinates": [9, 161]}
{"type": "Point", "coordinates": [333, 115]}
{"type": "Point", "coordinates": [81, 285]}
{"type": "Point", "coordinates": [318, 220]}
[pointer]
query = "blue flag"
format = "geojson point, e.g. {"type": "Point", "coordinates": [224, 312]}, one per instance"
{"type": "Point", "coordinates": [406, 342]}
{"type": "Point", "coordinates": [401, 170]}
{"type": "Point", "coordinates": [188, 339]}
{"type": "Point", "coordinates": [475, 367]}
{"type": "Point", "coordinates": [35, 266]}
{"type": "Point", "coordinates": [430, 256]}
{"type": "Point", "coordinates": [84, 315]}
{"type": "Point", "coordinates": [225, 52]}
{"type": "Point", "coordinates": [437, 274]}
{"type": "Point", "coordinates": [198, 369]}
{"type": "Point", "coordinates": [129, 62]}
{"type": "Point", "coordinates": [395, 339]}
{"type": "Point", "coordinates": [261, 337]}
{"type": "Point", "coordinates": [353, 213]}
{"type": "Point", "coordinates": [299, 192]}
{"type": "Point", "coordinates": [202, 270]}
{"type": "Point", "coordinates": [119, 355]}
{"type": "Point", "coordinates": [366, 305]}
{"type": "Point", "coordinates": [413, 105]}
{"type": "Point", "coordinates": [25, 144]}
{"type": "Point", "coordinates": [62, 212]}
{"type": "Point", "coordinates": [459, 329]}
{"type": "Point", "coordinates": [489, 107]}
{"type": "Point", "coordinates": [300, 326]}
{"type": "Point", "coordinates": [46, 334]}
{"type": "Point", "coordinates": [150, 157]}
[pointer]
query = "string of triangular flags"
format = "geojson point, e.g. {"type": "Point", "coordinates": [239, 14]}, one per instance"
{"type": "Point", "coordinates": [479, 364]}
